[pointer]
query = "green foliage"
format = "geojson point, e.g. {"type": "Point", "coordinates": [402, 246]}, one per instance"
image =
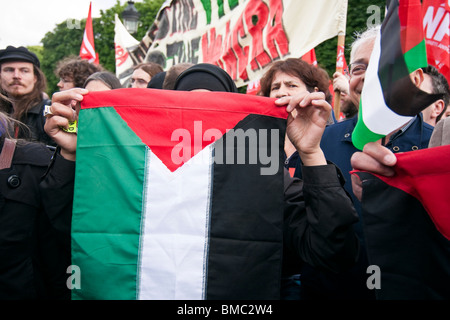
{"type": "Point", "coordinates": [358, 16]}
{"type": "Point", "coordinates": [36, 50]}
{"type": "Point", "coordinates": [66, 38]}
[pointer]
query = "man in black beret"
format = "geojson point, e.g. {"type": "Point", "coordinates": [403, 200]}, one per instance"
{"type": "Point", "coordinates": [24, 84]}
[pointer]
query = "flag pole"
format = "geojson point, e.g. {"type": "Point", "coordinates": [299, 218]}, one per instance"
{"type": "Point", "coordinates": [339, 68]}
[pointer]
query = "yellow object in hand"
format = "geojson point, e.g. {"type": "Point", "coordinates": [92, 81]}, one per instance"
{"type": "Point", "coordinates": [73, 128]}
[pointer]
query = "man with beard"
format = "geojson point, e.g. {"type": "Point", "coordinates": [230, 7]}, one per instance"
{"type": "Point", "coordinates": [24, 84]}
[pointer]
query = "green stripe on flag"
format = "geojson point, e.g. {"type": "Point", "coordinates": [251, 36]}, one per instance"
{"type": "Point", "coordinates": [106, 221]}
{"type": "Point", "coordinates": [362, 134]}
{"type": "Point", "coordinates": [416, 57]}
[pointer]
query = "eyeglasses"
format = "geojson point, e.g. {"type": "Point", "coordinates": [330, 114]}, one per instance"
{"type": "Point", "coordinates": [357, 69]}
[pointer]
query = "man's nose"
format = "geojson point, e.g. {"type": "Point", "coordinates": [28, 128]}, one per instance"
{"type": "Point", "coordinates": [16, 74]}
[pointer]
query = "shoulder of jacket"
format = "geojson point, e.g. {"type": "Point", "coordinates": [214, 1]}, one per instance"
{"type": "Point", "coordinates": [32, 153]}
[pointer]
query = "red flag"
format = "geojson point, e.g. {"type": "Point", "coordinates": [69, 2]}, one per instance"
{"type": "Point", "coordinates": [87, 50]}
{"type": "Point", "coordinates": [341, 63]}
{"type": "Point", "coordinates": [310, 57]}
{"type": "Point", "coordinates": [436, 22]}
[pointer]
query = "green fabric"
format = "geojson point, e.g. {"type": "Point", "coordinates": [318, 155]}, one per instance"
{"type": "Point", "coordinates": [416, 57]}
{"type": "Point", "coordinates": [107, 212]}
{"type": "Point", "coordinates": [361, 134]}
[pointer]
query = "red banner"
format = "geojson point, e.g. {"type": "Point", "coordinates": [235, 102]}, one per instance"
{"type": "Point", "coordinates": [436, 24]}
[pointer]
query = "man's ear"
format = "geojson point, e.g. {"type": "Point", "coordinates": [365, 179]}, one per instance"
{"type": "Point", "coordinates": [439, 107]}
{"type": "Point", "coordinates": [417, 77]}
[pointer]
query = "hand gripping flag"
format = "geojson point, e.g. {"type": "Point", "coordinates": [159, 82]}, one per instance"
{"type": "Point", "coordinates": [179, 195]}
{"type": "Point", "coordinates": [407, 225]}
{"type": "Point", "coordinates": [389, 98]}
{"type": "Point", "coordinates": [87, 50]}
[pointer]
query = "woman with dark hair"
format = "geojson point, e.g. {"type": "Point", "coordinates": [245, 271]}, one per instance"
{"type": "Point", "coordinates": [288, 78]}
{"type": "Point", "coordinates": [308, 77]}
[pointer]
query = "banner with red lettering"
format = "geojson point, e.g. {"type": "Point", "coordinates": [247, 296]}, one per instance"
{"type": "Point", "coordinates": [436, 23]}
{"type": "Point", "coordinates": [243, 36]}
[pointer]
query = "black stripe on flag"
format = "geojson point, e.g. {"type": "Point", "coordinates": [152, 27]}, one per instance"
{"type": "Point", "coordinates": [246, 234]}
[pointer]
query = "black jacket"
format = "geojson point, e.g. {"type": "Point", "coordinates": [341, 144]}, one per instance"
{"type": "Point", "coordinates": [22, 270]}
{"type": "Point", "coordinates": [35, 121]}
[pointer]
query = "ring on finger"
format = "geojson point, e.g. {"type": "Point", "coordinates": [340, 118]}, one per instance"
{"type": "Point", "coordinates": [47, 110]}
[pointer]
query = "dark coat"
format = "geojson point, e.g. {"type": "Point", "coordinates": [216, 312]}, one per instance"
{"type": "Point", "coordinates": [22, 274]}
{"type": "Point", "coordinates": [337, 146]}
{"type": "Point", "coordinates": [35, 121]}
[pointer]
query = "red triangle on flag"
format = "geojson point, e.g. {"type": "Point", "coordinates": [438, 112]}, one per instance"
{"type": "Point", "coordinates": [192, 119]}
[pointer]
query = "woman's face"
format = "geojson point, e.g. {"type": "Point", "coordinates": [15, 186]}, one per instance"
{"type": "Point", "coordinates": [284, 84]}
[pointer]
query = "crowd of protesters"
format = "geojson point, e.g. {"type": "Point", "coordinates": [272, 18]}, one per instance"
{"type": "Point", "coordinates": [324, 255]}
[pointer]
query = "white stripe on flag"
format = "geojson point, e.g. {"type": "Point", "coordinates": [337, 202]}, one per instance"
{"type": "Point", "coordinates": [173, 263]}
{"type": "Point", "coordinates": [88, 44]}
{"type": "Point", "coordinates": [377, 116]}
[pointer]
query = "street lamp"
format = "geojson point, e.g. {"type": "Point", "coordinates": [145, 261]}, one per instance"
{"type": "Point", "coordinates": [130, 17]}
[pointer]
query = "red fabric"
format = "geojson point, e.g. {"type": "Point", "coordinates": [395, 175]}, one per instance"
{"type": "Point", "coordinates": [341, 63]}
{"type": "Point", "coordinates": [411, 29]}
{"type": "Point", "coordinates": [253, 87]}
{"type": "Point", "coordinates": [436, 22]}
{"type": "Point", "coordinates": [425, 175]}
{"type": "Point", "coordinates": [310, 57]}
{"type": "Point", "coordinates": [87, 50]}
{"type": "Point", "coordinates": [169, 110]}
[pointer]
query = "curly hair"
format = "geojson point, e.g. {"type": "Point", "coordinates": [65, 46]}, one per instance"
{"type": "Point", "coordinates": [311, 76]}
{"type": "Point", "coordinates": [76, 69]}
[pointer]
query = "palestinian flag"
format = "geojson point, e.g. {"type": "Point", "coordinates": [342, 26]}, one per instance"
{"type": "Point", "coordinates": [406, 222]}
{"type": "Point", "coordinates": [389, 98]}
{"type": "Point", "coordinates": [178, 195]}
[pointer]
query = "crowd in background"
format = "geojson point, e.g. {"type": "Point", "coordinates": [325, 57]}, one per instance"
{"type": "Point", "coordinates": [34, 245]}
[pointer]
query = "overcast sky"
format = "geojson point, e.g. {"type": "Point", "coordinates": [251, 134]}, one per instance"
{"type": "Point", "coordinates": [25, 22]}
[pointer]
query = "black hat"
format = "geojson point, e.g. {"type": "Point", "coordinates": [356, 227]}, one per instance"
{"type": "Point", "coordinates": [205, 76]}
{"type": "Point", "coordinates": [18, 54]}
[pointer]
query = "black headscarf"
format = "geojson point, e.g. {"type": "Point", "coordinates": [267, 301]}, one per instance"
{"type": "Point", "coordinates": [156, 82]}
{"type": "Point", "coordinates": [205, 76]}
